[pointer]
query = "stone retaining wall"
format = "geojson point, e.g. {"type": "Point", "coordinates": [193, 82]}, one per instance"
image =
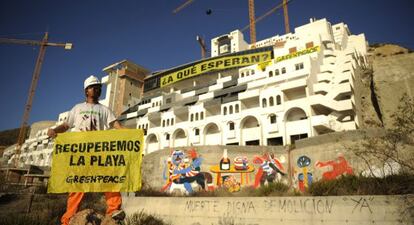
{"type": "Point", "coordinates": [333, 210]}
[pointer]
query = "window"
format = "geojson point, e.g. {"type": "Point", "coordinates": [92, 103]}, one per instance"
{"type": "Point", "coordinates": [271, 102]}
{"type": "Point", "coordinates": [272, 119]}
{"type": "Point", "coordinates": [172, 121]}
{"type": "Point", "coordinates": [202, 115]}
{"type": "Point", "coordinates": [168, 100]}
{"type": "Point", "coordinates": [278, 100]}
{"type": "Point", "coordinates": [225, 110]}
{"type": "Point", "coordinates": [237, 108]}
{"type": "Point", "coordinates": [247, 73]}
{"type": "Point", "coordinates": [252, 73]}
{"type": "Point", "coordinates": [168, 122]}
{"type": "Point", "coordinates": [163, 123]}
{"type": "Point", "coordinates": [276, 72]}
{"type": "Point", "coordinates": [242, 74]}
{"type": "Point", "coordinates": [270, 73]}
{"type": "Point", "coordinates": [191, 117]}
{"type": "Point", "coordinates": [196, 132]}
{"type": "Point", "coordinates": [167, 137]}
{"type": "Point", "coordinates": [292, 50]}
{"type": "Point", "coordinates": [283, 70]}
{"type": "Point", "coordinates": [196, 117]}
{"type": "Point", "coordinates": [264, 103]}
{"type": "Point", "coordinates": [299, 66]}
{"type": "Point", "coordinates": [231, 110]}
{"type": "Point", "coordinates": [231, 126]}
{"type": "Point", "coordinates": [309, 44]}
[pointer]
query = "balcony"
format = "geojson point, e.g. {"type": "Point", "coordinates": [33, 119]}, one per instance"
{"type": "Point", "coordinates": [249, 94]}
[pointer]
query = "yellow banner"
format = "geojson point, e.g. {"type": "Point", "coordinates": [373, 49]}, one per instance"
{"type": "Point", "coordinates": [215, 64]}
{"type": "Point", "coordinates": [97, 161]}
{"type": "Point", "coordinates": [297, 54]}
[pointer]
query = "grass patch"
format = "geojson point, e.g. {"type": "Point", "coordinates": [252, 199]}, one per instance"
{"type": "Point", "coordinates": [45, 210]}
{"type": "Point", "coordinates": [142, 218]}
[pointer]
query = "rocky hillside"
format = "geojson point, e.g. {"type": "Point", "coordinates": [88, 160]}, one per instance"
{"type": "Point", "coordinates": [390, 76]}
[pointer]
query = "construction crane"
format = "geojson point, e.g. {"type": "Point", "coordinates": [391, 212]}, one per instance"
{"type": "Point", "coordinates": [285, 13]}
{"type": "Point", "coordinates": [36, 73]}
{"type": "Point", "coordinates": [203, 47]}
{"type": "Point", "coordinates": [268, 13]}
{"type": "Point", "coordinates": [182, 6]}
{"type": "Point", "coordinates": [252, 24]}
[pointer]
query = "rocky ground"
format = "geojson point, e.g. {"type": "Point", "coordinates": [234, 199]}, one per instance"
{"type": "Point", "coordinates": [390, 76]}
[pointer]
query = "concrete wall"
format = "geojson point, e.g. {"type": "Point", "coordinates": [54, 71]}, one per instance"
{"type": "Point", "coordinates": [358, 210]}
{"type": "Point", "coordinates": [326, 149]}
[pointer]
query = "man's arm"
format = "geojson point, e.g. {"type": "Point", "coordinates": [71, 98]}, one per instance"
{"type": "Point", "coordinates": [59, 129]}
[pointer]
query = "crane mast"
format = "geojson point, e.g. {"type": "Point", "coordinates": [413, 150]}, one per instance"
{"type": "Point", "coordinates": [202, 46]}
{"type": "Point", "coordinates": [285, 13]}
{"type": "Point", "coordinates": [252, 24]}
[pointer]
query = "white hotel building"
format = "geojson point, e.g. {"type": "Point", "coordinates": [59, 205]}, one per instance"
{"type": "Point", "coordinates": [304, 94]}
{"type": "Point", "coordinates": [306, 89]}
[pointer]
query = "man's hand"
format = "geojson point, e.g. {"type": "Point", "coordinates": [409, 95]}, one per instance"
{"type": "Point", "coordinates": [51, 133]}
{"type": "Point", "coordinates": [59, 129]}
{"type": "Point", "coordinates": [117, 125]}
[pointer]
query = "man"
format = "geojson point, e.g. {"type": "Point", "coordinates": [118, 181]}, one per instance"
{"type": "Point", "coordinates": [88, 116]}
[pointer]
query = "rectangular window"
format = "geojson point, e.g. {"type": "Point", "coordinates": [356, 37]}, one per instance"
{"type": "Point", "coordinates": [309, 44]}
{"type": "Point", "coordinates": [283, 70]}
{"type": "Point", "coordinates": [167, 137]}
{"type": "Point", "coordinates": [272, 119]}
{"type": "Point", "coordinates": [197, 132]}
{"type": "Point", "coordinates": [231, 126]}
{"type": "Point", "coordinates": [292, 50]}
{"type": "Point", "coordinates": [299, 66]}
{"type": "Point", "coordinates": [277, 72]}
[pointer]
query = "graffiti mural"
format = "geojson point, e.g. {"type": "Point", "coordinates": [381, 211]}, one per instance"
{"type": "Point", "coordinates": [337, 167]}
{"type": "Point", "coordinates": [183, 171]}
{"type": "Point", "coordinates": [269, 168]}
{"type": "Point", "coordinates": [304, 177]}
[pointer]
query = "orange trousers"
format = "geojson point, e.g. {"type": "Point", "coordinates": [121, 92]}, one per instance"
{"type": "Point", "coordinates": [113, 202]}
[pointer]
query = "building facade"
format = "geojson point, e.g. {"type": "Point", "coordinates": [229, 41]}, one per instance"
{"type": "Point", "coordinates": [306, 88]}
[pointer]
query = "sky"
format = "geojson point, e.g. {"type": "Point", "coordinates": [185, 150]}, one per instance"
{"type": "Point", "coordinates": [149, 34]}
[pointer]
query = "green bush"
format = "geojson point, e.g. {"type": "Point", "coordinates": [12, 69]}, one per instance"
{"type": "Point", "coordinates": [360, 185]}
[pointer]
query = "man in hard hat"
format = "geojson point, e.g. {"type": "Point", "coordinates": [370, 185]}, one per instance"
{"type": "Point", "coordinates": [87, 116]}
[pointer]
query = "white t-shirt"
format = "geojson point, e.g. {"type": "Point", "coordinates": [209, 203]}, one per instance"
{"type": "Point", "coordinates": [86, 117]}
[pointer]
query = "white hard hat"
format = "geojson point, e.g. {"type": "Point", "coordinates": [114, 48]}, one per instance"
{"type": "Point", "coordinates": [91, 80]}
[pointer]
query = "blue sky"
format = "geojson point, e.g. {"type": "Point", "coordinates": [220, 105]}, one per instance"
{"type": "Point", "coordinates": [149, 34]}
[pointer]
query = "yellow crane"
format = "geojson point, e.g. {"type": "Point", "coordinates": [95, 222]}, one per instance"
{"type": "Point", "coordinates": [36, 73]}
{"type": "Point", "coordinates": [182, 6]}
{"type": "Point", "coordinates": [202, 46]}
{"type": "Point", "coordinates": [268, 13]}
{"type": "Point", "coordinates": [252, 24]}
{"type": "Point", "coordinates": [252, 19]}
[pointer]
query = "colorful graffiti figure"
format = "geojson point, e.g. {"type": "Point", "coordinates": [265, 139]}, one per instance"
{"type": "Point", "coordinates": [304, 181]}
{"type": "Point", "coordinates": [338, 167]}
{"type": "Point", "coordinates": [269, 168]}
{"type": "Point", "coordinates": [181, 171]}
{"type": "Point", "coordinates": [231, 184]}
